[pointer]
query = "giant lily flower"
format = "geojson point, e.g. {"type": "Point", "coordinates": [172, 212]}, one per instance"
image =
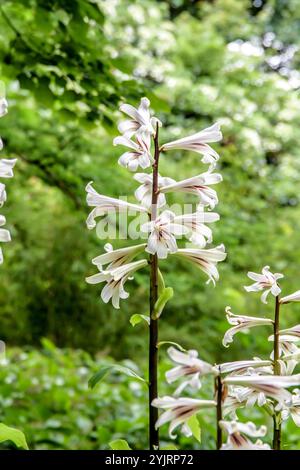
{"type": "Point", "coordinates": [162, 234]}
{"type": "Point", "coordinates": [2, 194]}
{"type": "Point", "coordinates": [241, 323]}
{"type": "Point", "coordinates": [115, 258]}
{"type": "Point", "coordinates": [295, 297]}
{"type": "Point", "coordinates": [238, 436]}
{"type": "Point", "coordinates": [292, 408]}
{"type": "Point", "coordinates": [139, 155]}
{"type": "Point", "coordinates": [144, 192]}
{"type": "Point", "coordinates": [140, 122]}
{"type": "Point", "coordinates": [3, 107]}
{"type": "Point", "coordinates": [289, 335]}
{"type": "Point", "coordinates": [3, 111]}
{"type": "Point", "coordinates": [242, 367]}
{"type": "Point", "coordinates": [104, 205]}
{"type": "Point", "coordinates": [4, 235]}
{"type": "Point", "coordinates": [198, 185]}
{"type": "Point", "coordinates": [6, 168]}
{"type": "Point", "coordinates": [178, 411]}
{"type": "Point", "coordinates": [115, 280]}
{"type": "Point", "coordinates": [190, 367]}
{"type": "Point", "coordinates": [272, 386]}
{"type": "Point", "coordinates": [199, 233]}
{"type": "Point", "coordinates": [206, 260]}
{"type": "Point", "coordinates": [266, 281]}
{"type": "Point", "coordinates": [199, 143]}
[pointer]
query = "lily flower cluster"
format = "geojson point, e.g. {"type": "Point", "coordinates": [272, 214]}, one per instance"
{"type": "Point", "coordinates": [6, 171]}
{"type": "Point", "coordinates": [265, 383]}
{"type": "Point", "coordinates": [179, 410]}
{"type": "Point", "coordinates": [116, 266]}
{"type": "Point", "coordinates": [244, 383]}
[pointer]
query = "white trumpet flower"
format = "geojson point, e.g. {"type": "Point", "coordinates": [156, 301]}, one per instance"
{"type": "Point", "coordinates": [140, 122]}
{"type": "Point", "coordinates": [206, 260]}
{"type": "Point", "coordinates": [6, 168]}
{"type": "Point", "coordinates": [272, 386]}
{"type": "Point", "coordinates": [198, 185]}
{"type": "Point", "coordinates": [295, 297]}
{"type": "Point", "coordinates": [199, 233]}
{"type": "Point", "coordinates": [239, 433]}
{"type": "Point", "coordinates": [115, 280]}
{"type": "Point", "coordinates": [115, 258]}
{"type": "Point", "coordinates": [104, 205]}
{"type": "Point", "coordinates": [190, 367]}
{"type": "Point", "coordinates": [3, 107]}
{"type": "Point", "coordinates": [4, 235]}
{"type": "Point", "coordinates": [199, 143]}
{"type": "Point", "coordinates": [2, 194]}
{"type": "Point", "coordinates": [144, 192]}
{"type": "Point", "coordinates": [241, 323]}
{"type": "Point", "coordinates": [162, 231]}
{"type": "Point", "coordinates": [178, 411]}
{"type": "Point", "coordinates": [139, 155]}
{"type": "Point", "coordinates": [292, 408]}
{"type": "Point", "coordinates": [289, 335]}
{"type": "Point", "coordinates": [266, 282]}
{"type": "Point", "coordinates": [242, 367]}
{"type": "Point", "coordinates": [287, 340]}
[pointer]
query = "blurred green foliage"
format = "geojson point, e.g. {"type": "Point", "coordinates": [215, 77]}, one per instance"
{"type": "Point", "coordinates": [66, 67]}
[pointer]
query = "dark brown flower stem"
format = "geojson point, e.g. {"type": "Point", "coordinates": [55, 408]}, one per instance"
{"type": "Point", "coordinates": [276, 367]}
{"type": "Point", "coordinates": [219, 416]}
{"type": "Point", "coordinates": [153, 328]}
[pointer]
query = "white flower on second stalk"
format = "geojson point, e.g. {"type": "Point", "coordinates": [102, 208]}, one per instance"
{"type": "Point", "coordinates": [162, 231]}
{"type": "Point", "coordinates": [266, 282]}
{"type": "Point", "coordinates": [144, 192]}
{"type": "Point", "coordinates": [199, 143]}
{"type": "Point", "coordinates": [206, 260]}
{"type": "Point", "coordinates": [178, 411]}
{"type": "Point", "coordinates": [295, 297]}
{"type": "Point", "coordinates": [241, 323]}
{"type": "Point", "coordinates": [239, 433]}
{"type": "Point", "coordinates": [4, 235]}
{"type": "Point", "coordinates": [115, 279]}
{"type": "Point", "coordinates": [273, 386]}
{"type": "Point", "coordinates": [104, 205]}
{"type": "Point", "coordinates": [190, 367]}
{"type": "Point", "coordinates": [199, 233]}
{"type": "Point", "coordinates": [198, 185]}
{"type": "Point", "coordinates": [291, 408]}
{"type": "Point", "coordinates": [140, 122]}
{"type": "Point", "coordinates": [243, 367]}
{"type": "Point", "coordinates": [139, 155]}
{"type": "Point", "coordinates": [287, 340]}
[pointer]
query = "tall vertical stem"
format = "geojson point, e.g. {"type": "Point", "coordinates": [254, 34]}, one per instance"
{"type": "Point", "coordinates": [277, 424]}
{"type": "Point", "coordinates": [153, 328]}
{"type": "Point", "coordinates": [219, 416]}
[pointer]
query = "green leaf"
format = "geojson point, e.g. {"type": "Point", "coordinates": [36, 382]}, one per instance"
{"type": "Point", "coordinates": [96, 378]}
{"type": "Point", "coordinates": [194, 426]}
{"type": "Point", "coordinates": [161, 302]}
{"type": "Point", "coordinates": [161, 282]}
{"type": "Point", "coordinates": [119, 444]}
{"type": "Point", "coordinates": [169, 447]}
{"type": "Point", "coordinates": [14, 435]}
{"type": "Point", "coordinates": [137, 318]}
